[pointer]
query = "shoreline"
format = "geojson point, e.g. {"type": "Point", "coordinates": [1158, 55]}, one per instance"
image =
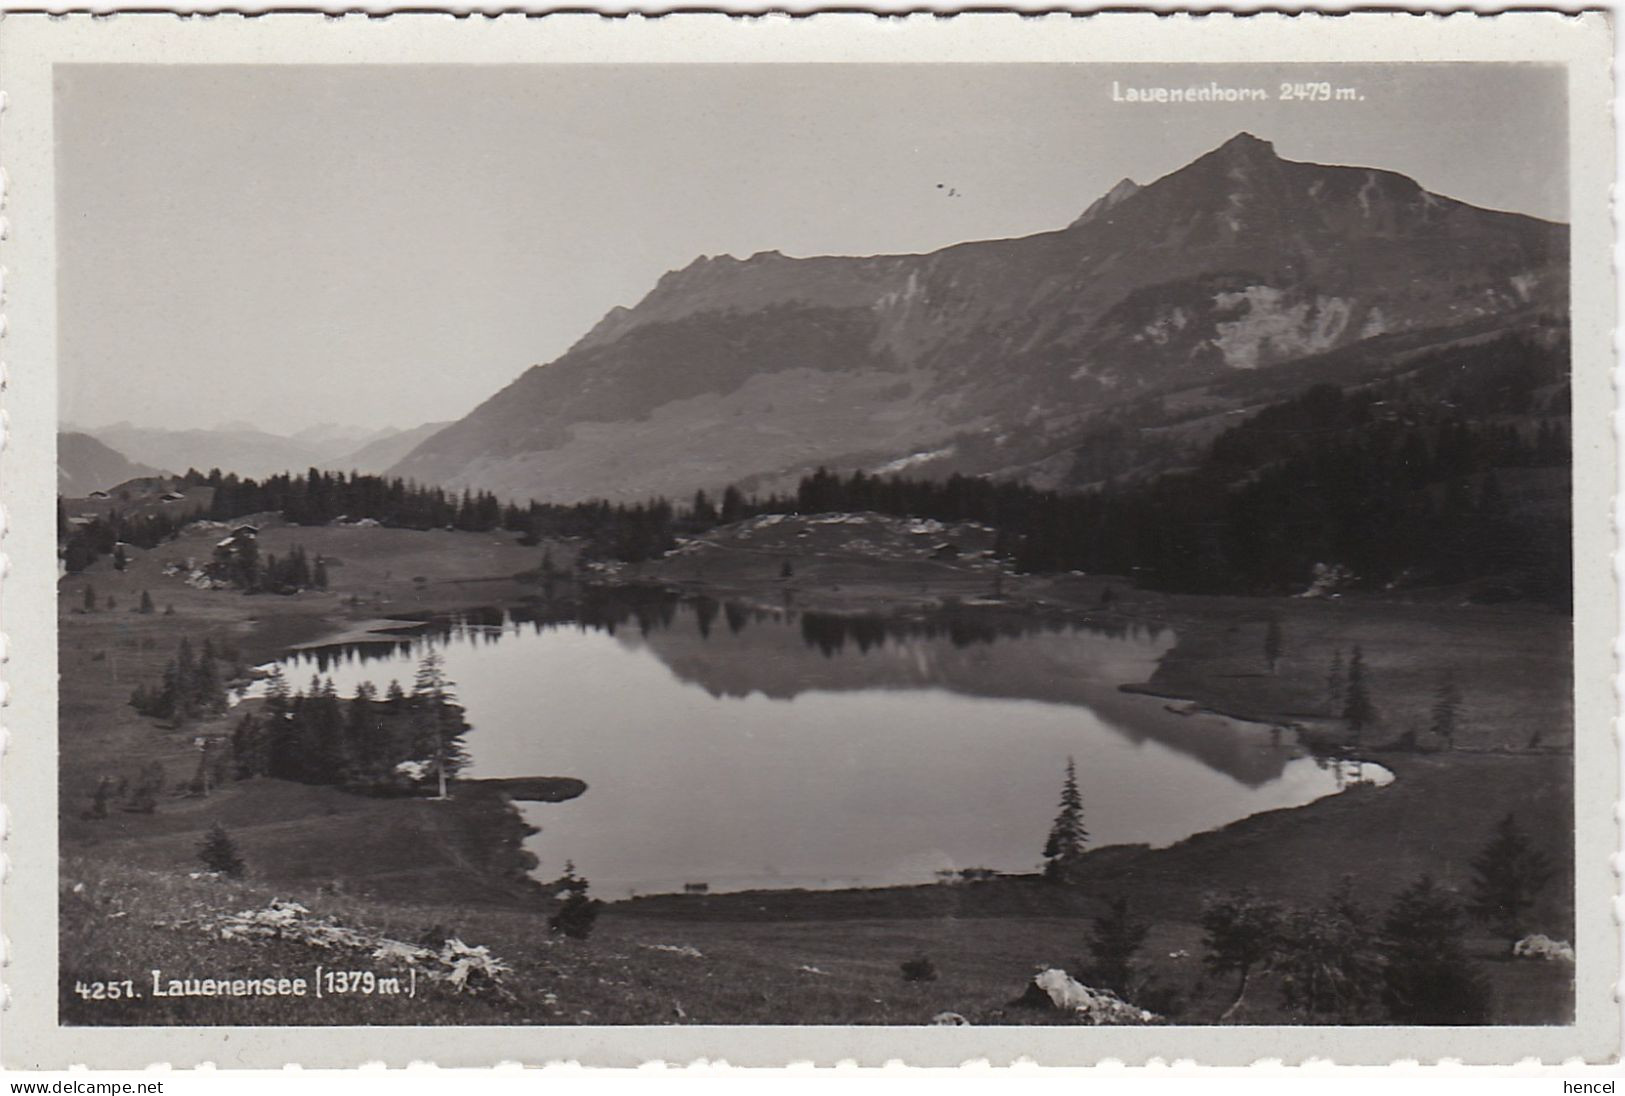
{"type": "Point", "coordinates": [1213, 664]}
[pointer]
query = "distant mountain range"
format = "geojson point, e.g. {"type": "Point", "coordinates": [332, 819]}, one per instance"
{"type": "Point", "coordinates": [97, 460]}
{"type": "Point", "coordinates": [84, 464]}
{"type": "Point", "coordinates": [1021, 358]}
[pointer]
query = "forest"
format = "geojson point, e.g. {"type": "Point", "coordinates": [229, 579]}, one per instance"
{"type": "Point", "coordinates": [1397, 482]}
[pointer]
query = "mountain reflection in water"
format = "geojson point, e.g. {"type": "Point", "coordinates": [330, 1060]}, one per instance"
{"type": "Point", "coordinates": [741, 747]}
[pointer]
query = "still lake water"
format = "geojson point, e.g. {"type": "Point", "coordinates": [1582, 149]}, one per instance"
{"type": "Point", "coordinates": [746, 749]}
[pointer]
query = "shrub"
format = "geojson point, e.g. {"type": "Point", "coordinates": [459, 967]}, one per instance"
{"type": "Point", "coordinates": [918, 970]}
{"type": "Point", "coordinates": [1242, 931]}
{"type": "Point", "coordinates": [1329, 962]}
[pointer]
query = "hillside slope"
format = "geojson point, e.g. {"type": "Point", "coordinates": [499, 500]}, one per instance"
{"type": "Point", "coordinates": [379, 453]}
{"type": "Point", "coordinates": [992, 356]}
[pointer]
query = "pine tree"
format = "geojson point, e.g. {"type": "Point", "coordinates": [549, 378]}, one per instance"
{"type": "Point", "coordinates": [200, 778]}
{"type": "Point", "coordinates": [1067, 835]}
{"type": "Point", "coordinates": [146, 602]}
{"type": "Point", "coordinates": [1508, 876]}
{"type": "Point", "coordinates": [219, 853]}
{"type": "Point", "coordinates": [104, 792]}
{"type": "Point", "coordinates": [1336, 682]}
{"type": "Point", "coordinates": [578, 913]}
{"type": "Point", "coordinates": [1447, 711]}
{"type": "Point", "coordinates": [276, 693]}
{"type": "Point", "coordinates": [320, 576]}
{"type": "Point", "coordinates": [704, 513]}
{"type": "Point", "coordinates": [283, 757]}
{"type": "Point", "coordinates": [248, 748]}
{"type": "Point", "coordinates": [208, 694]}
{"type": "Point", "coordinates": [440, 721]}
{"type": "Point", "coordinates": [1113, 940]}
{"type": "Point", "coordinates": [1427, 977]}
{"type": "Point", "coordinates": [1272, 643]}
{"type": "Point", "coordinates": [1358, 711]}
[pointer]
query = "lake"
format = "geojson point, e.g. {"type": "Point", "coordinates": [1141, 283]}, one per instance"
{"type": "Point", "coordinates": [743, 748]}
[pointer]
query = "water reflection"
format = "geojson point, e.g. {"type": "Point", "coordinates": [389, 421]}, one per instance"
{"type": "Point", "coordinates": [744, 746]}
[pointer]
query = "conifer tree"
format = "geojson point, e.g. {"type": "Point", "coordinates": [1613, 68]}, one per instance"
{"type": "Point", "coordinates": [578, 913]}
{"type": "Point", "coordinates": [1508, 876]}
{"type": "Point", "coordinates": [200, 778]}
{"type": "Point", "coordinates": [1272, 642]}
{"type": "Point", "coordinates": [439, 719]}
{"type": "Point", "coordinates": [1067, 835]}
{"type": "Point", "coordinates": [248, 748]}
{"type": "Point", "coordinates": [208, 694]}
{"type": "Point", "coordinates": [1113, 940]}
{"type": "Point", "coordinates": [219, 853]}
{"type": "Point", "coordinates": [1358, 711]}
{"type": "Point", "coordinates": [146, 602]}
{"type": "Point", "coordinates": [1336, 682]}
{"type": "Point", "coordinates": [1428, 978]}
{"type": "Point", "coordinates": [276, 693]}
{"type": "Point", "coordinates": [704, 513]}
{"type": "Point", "coordinates": [1447, 711]}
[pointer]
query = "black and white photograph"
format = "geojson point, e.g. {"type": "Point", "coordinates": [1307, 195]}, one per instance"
{"type": "Point", "coordinates": [902, 545]}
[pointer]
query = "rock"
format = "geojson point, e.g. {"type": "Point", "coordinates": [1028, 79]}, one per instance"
{"type": "Point", "coordinates": [949, 1019]}
{"type": "Point", "coordinates": [688, 951]}
{"type": "Point", "coordinates": [1055, 989]}
{"type": "Point", "coordinates": [1537, 946]}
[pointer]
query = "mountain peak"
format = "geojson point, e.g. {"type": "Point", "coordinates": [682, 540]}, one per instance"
{"type": "Point", "coordinates": [1125, 188]}
{"type": "Point", "coordinates": [1245, 145]}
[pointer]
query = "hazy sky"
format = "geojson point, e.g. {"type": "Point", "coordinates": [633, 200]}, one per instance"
{"type": "Point", "coordinates": [388, 245]}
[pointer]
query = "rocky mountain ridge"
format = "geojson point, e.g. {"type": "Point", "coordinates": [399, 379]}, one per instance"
{"type": "Point", "coordinates": [989, 356]}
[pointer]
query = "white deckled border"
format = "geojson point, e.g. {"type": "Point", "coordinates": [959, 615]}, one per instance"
{"type": "Point", "coordinates": [30, 45]}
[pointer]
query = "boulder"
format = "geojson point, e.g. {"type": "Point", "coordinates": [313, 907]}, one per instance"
{"type": "Point", "coordinates": [1055, 989]}
{"type": "Point", "coordinates": [1537, 946]}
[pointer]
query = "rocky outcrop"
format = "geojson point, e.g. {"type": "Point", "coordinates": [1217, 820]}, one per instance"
{"type": "Point", "coordinates": [1056, 990]}
{"type": "Point", "coordinates": [991, 352]}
